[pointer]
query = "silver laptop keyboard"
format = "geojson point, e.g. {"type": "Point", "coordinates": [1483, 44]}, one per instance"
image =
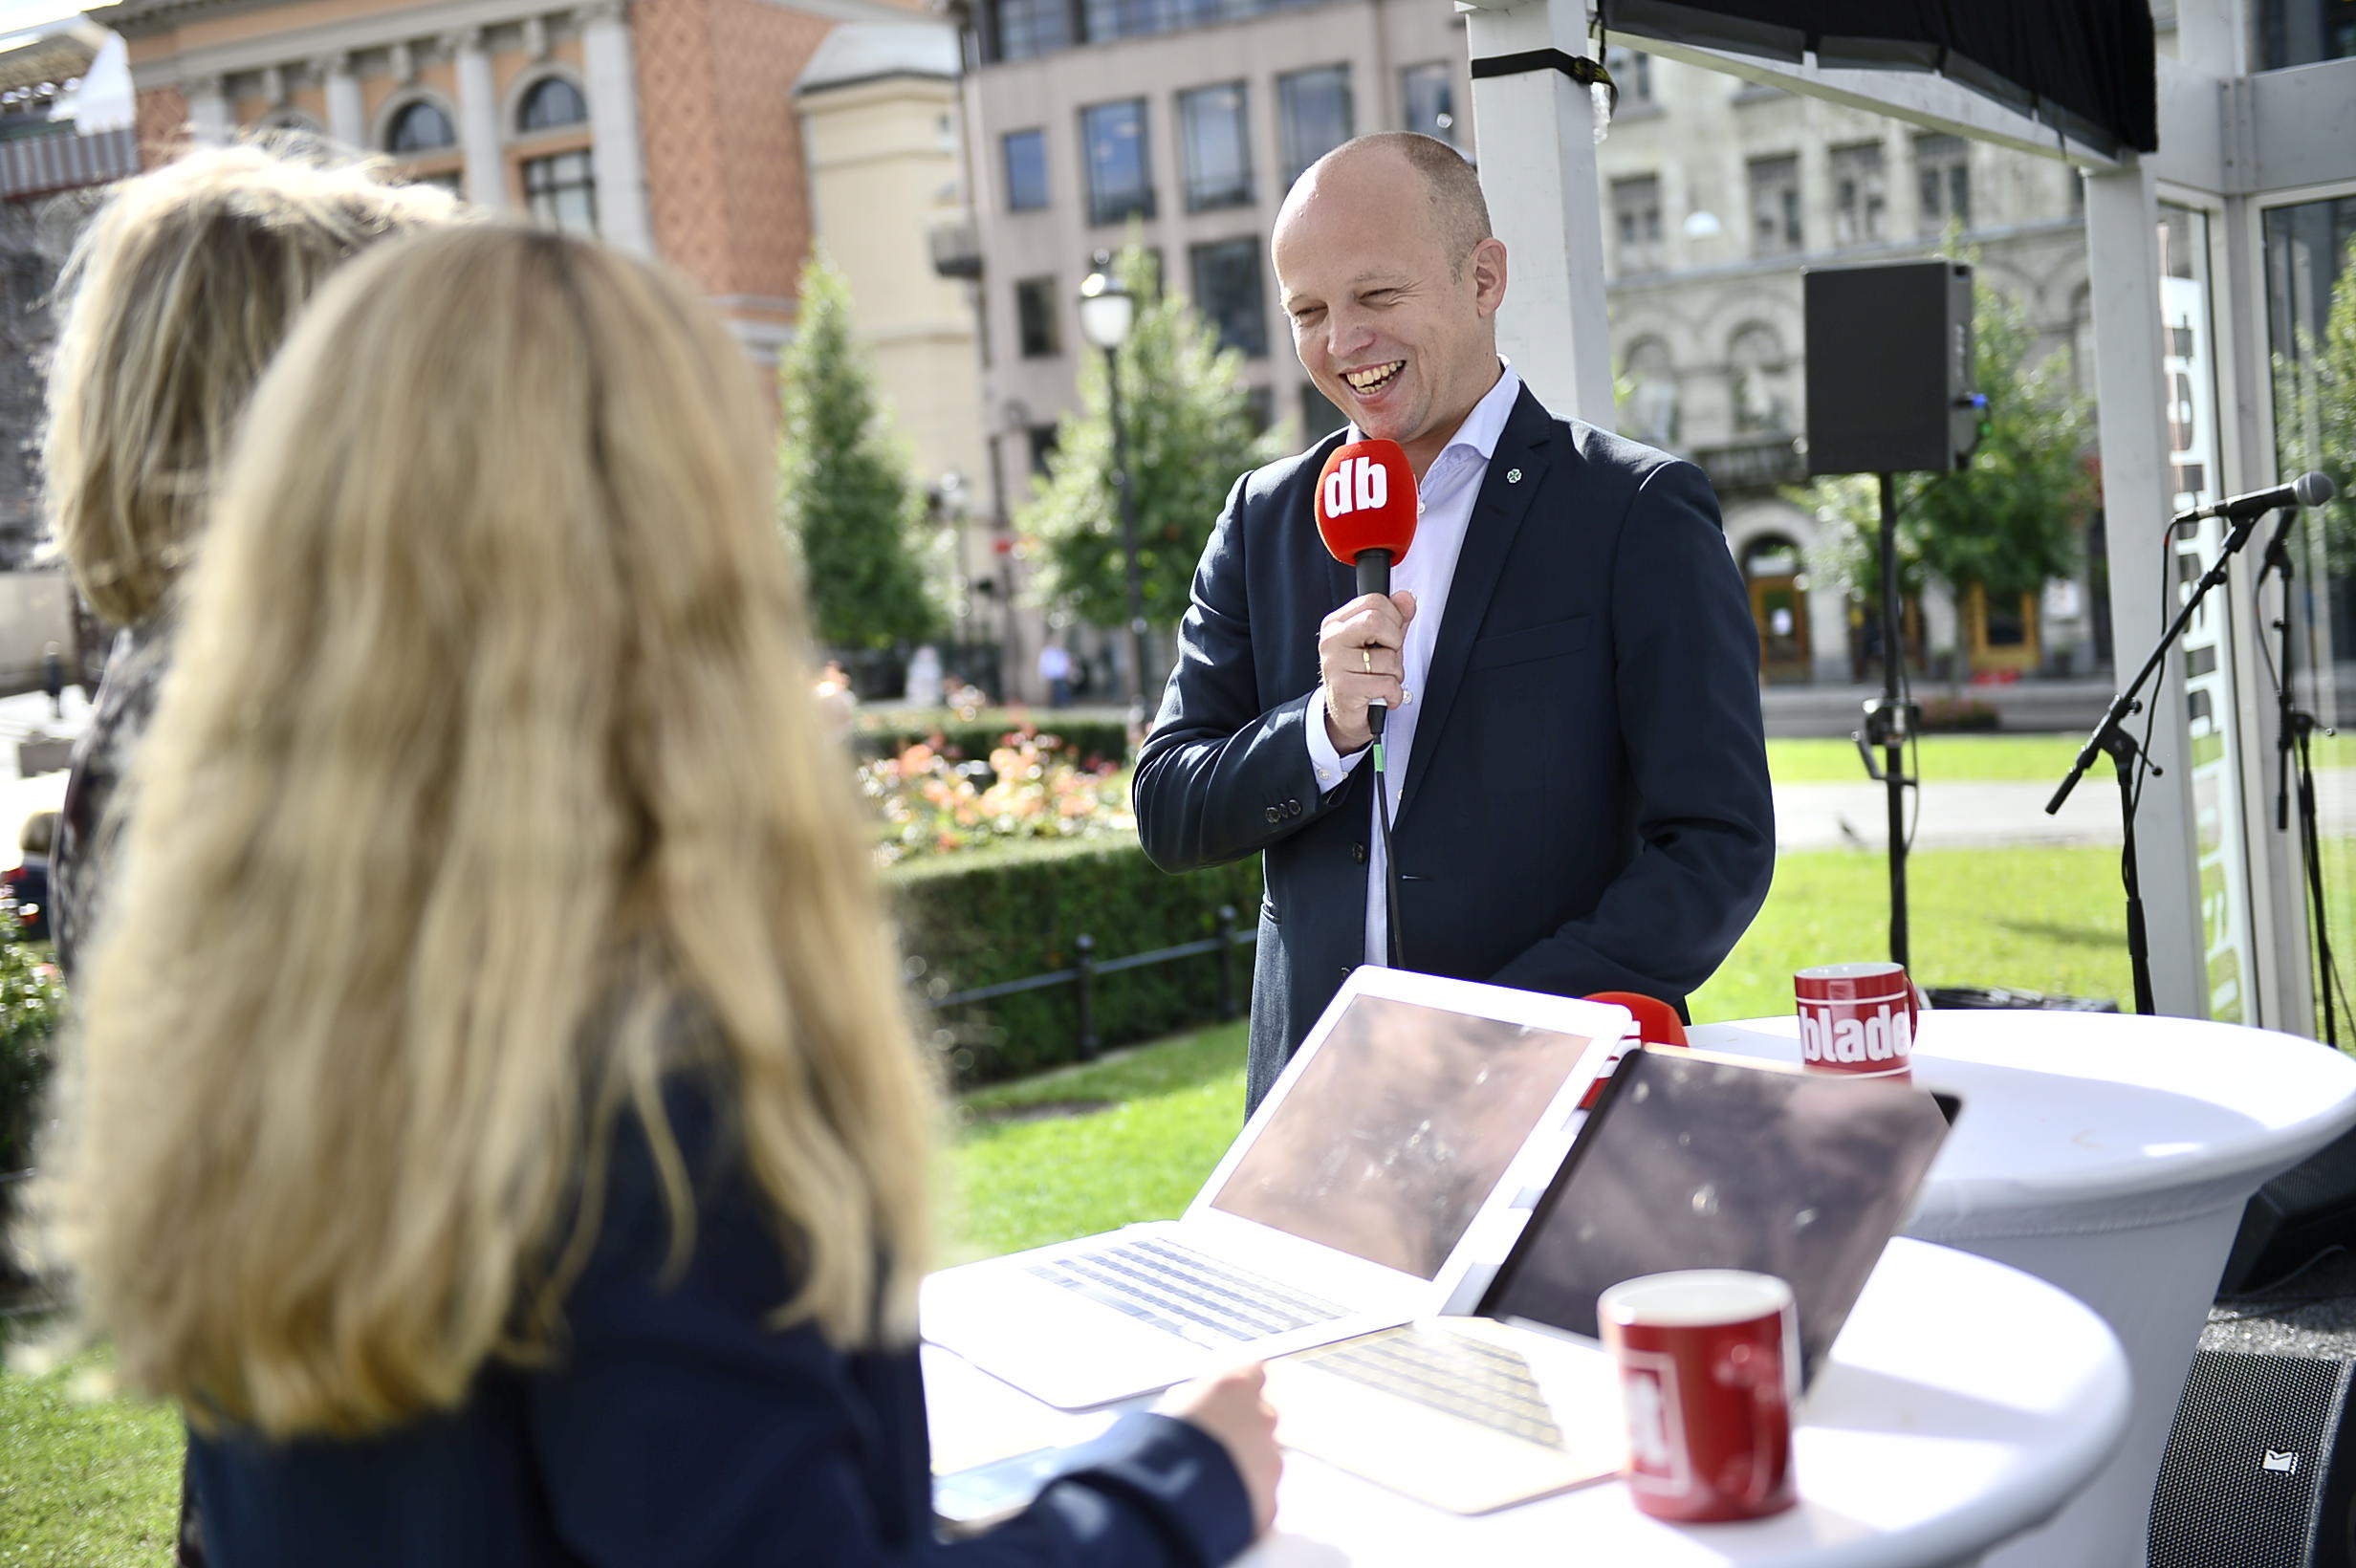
{"type": "Point", "coordinates": [1183, 1292]}
{"type": "Point", "coordinates": [1483, 1383]}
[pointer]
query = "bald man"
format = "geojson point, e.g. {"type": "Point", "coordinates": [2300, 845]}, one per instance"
{"type": "Point", "coordinates": [1577, 773]}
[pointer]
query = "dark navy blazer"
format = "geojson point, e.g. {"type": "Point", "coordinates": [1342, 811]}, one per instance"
{"type": "Point", "coordinates": [679, 1432]}
{"type": "Point", "coordinates": [1585, 806]}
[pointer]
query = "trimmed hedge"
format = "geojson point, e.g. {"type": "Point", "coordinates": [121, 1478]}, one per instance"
{"type": "Point", "coordinates": [1086, 741]}
{"type": "Point", "coordinates": [968, 920]}
{"type": "Point", "coordinates": [985, 917]}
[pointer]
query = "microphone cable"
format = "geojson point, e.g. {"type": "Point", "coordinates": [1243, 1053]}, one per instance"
{"type": "Point", "coordinates": [1391, 945]}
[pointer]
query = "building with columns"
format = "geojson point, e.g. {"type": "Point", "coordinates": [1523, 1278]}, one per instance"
{"type": "Point", "coordinates": [666, 128]}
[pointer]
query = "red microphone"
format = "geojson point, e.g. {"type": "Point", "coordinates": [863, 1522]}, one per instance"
{"type": "Point", "coordinates": [1365, 508]}
{"type": "Point", "coordinates": [1365, 513]}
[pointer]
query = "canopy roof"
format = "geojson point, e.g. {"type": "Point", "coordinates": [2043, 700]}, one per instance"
{"type": "Point", "coordinates": [2085, 67]}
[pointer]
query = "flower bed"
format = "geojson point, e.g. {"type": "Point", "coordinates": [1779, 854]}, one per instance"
{"type": "Point", "coordinates": [1028, 787]}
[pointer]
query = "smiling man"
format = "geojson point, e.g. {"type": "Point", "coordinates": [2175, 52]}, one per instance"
{"type": "Point", "coordinates": [1578, 777]}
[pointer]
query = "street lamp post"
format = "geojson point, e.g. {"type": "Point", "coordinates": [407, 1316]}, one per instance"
{"type": "Point", "coordinates": [1106, 312]}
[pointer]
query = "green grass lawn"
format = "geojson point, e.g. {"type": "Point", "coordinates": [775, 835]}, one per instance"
{"type": "Point", "coordinates": [88, 1480]}
{"type": "Point", "coordinates": [1976, 758]}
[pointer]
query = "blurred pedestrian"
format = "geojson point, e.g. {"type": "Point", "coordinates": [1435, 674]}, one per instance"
{"type": "Point", "coordinates": [28, 882]}
{"type": "Point", "coordinates": [53, 679]}
{"type": "Point", "coordinates": [1056, 669]}
{"type": "Point", "coordinates": [177, 295]}
{"type": "Point", "coordinates": [543, 1171]}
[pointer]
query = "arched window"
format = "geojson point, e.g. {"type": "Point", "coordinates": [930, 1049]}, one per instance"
{"type": "Point", "coordinates": [1762, 375]}
{"type": "Point", "coordinates": [420, 127]}
{"type": "Point", "coordinates": [1652, 405]}
{"type": "Point", "coordinates": [552, 104]}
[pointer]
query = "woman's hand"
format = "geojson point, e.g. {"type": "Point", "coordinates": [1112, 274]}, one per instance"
{"type": "Point", "coordinates": [1232, 1407]}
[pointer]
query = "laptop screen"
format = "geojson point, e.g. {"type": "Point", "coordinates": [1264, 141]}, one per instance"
{"type": "Point", "coordinates": [1693, 1162]}
{"type": "Point", "coordinates": [1397, 1130]}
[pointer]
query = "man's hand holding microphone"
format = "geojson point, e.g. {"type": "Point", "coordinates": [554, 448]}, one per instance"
{"type": "Point", "coordinates": [1365, 512]}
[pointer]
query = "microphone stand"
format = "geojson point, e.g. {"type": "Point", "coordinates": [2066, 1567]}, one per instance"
{"type": "Point", "coordinates": [2110, 737]}
{"type": "Point", "coordinates": [2293, 744]}
{"type": "Point", "coordinates": [1889, 720]}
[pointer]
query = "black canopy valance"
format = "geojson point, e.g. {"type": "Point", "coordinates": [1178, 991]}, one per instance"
{"type": "Point", "coordinates": [2082, 66]}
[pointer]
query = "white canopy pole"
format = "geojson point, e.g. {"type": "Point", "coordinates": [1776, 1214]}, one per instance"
{"type": "Point", "coordinates": [1536, 131]}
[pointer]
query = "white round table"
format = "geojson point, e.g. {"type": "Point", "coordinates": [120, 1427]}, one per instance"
{"type": "Point", "coordinates": [1963, 1404]}
{"type": "Point", "coordinates": [2112, 1156]}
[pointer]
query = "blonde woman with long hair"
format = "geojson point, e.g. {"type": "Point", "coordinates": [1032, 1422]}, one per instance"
{"type": "Point", "coordinates": [534, 1169]}
{"type": "Point", "coordinates": [176, 296]}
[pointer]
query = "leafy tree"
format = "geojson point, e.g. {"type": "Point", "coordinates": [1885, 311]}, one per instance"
{"type": "Point", "coordinates": [2009, 522]}
{"type": "Point", "coordinates": [845, 493]}
{"type": "Point", "coordinates": [1188, 426]}
{"type": "Point", "coordinates": [2315, 399]}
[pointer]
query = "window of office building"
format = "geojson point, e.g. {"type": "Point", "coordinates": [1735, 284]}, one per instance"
{"type": "Point", "coordinates": [1429, 93]}
{"type": "Point", "coordinates": [1106, 19]}
{"type": "Point", "coordinates": [1314, 111]}
{"type": "Point", "coordinates": [1636, 224]}
{"type": "Point", "coordinates": [420, 127]}
{"type": "Point", "coordinates": [1024, 28]}
{"type": "Point", "coordinates": [1318, 417]}
{"type": "Point", "coordinates": [1631, 71]}
{"type": "Point", "coordinates": [1217, 143]}
{"type": "Point", "coordinates": [1228, 293]}
{"type": "Point", "coordinates": [551, 104]}
{"type": "Point", "coordinates": [1112, 139]}
{"type": "Point", "coordinates": [562, 192]}
{"type": "Point", "coordinates": [1026, 170]}
{"type": "Point", "coordinates": [1034, 318]}
{"type": "Point", "coordinates": [2305, 31]}
{"type": "Point", "coordinates": [1859, 201]}
{"type": "Point", "coordinates": [1775, 205]}
{"type": "Point", "coordinates": [1261, 401]}
{"type": "Point", "coordinates": [1043, 439]}
{"type": "Point", "coordinates": [1943, 180]}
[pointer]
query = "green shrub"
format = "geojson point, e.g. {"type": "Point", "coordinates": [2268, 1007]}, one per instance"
{"type": "Point", "coordinates": [985, 917]}
{"type": "Point", "coordinates": [31, 1001]}
{"type": "Point", "coordinates": [1086, 742]}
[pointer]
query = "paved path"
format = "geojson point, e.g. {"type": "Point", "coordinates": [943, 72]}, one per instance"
{"type": "Point", "coordinates": [1974, 815]}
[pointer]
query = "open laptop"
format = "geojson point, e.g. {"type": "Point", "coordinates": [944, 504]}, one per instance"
{"type": "Point", "coordinates": [1382, 1167]}
{"type": "Point", "coordinates": [1689, 1160]}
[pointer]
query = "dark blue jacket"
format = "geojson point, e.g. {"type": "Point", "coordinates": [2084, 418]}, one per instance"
{"type": "Point", "coordinates": [1585, 806]}
{"type": "Point", "coordinates": [679, 1433]}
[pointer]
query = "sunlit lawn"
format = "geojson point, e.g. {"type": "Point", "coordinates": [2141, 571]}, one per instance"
{"type": "Point", "coordinates": [88, 1480]}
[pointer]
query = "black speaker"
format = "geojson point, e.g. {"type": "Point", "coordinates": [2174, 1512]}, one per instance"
{"type": "Point", "coordinates": [1890, 368]}
{"type": "Point", "coordinates": [2258, 1472]}
{"type": "Point", "coordinates": [2294, 1216]}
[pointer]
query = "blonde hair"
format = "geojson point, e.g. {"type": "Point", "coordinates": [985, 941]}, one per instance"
{"type": "Point", "coordinates": [40, 833]}
{"type": "Point", "coordinates": [490, 746]}
{"type": "Point", "coordinates": [178, 293]}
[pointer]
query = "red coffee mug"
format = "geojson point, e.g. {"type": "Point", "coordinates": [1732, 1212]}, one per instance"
{"type": "Point", "coordinates": [1709, 1365]}
{"type": "Point", "coordinates": [1857, 1018]}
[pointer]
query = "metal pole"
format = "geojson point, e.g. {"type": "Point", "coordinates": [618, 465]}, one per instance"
{"type": "Point", "coordinates": [1893, 765]}
{"type": "Point", "coordinates": [1129, 547]}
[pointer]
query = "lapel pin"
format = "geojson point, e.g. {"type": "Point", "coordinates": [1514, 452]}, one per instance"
{"type": "Point", "coordinates": [1513, 476]}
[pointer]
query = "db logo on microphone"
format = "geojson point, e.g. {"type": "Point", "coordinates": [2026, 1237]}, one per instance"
{"type": "Point", "coordinates": [1357, 484]}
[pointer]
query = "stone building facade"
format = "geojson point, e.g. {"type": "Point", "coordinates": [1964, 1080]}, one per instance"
{"type": "Point", "coordinates": [1184, 121]}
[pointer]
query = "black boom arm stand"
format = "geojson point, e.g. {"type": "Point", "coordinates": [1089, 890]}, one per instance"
{"type": "Point", "coordinates": [2110, 737]}
{"type": "Point", "coordinates": [1891, 721]}
{"type": "Point", "coordinates": [2294, 741]}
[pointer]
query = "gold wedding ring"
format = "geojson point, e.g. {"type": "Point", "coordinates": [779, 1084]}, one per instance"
{"type": "Point", "coordinates": [1368, 655]}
